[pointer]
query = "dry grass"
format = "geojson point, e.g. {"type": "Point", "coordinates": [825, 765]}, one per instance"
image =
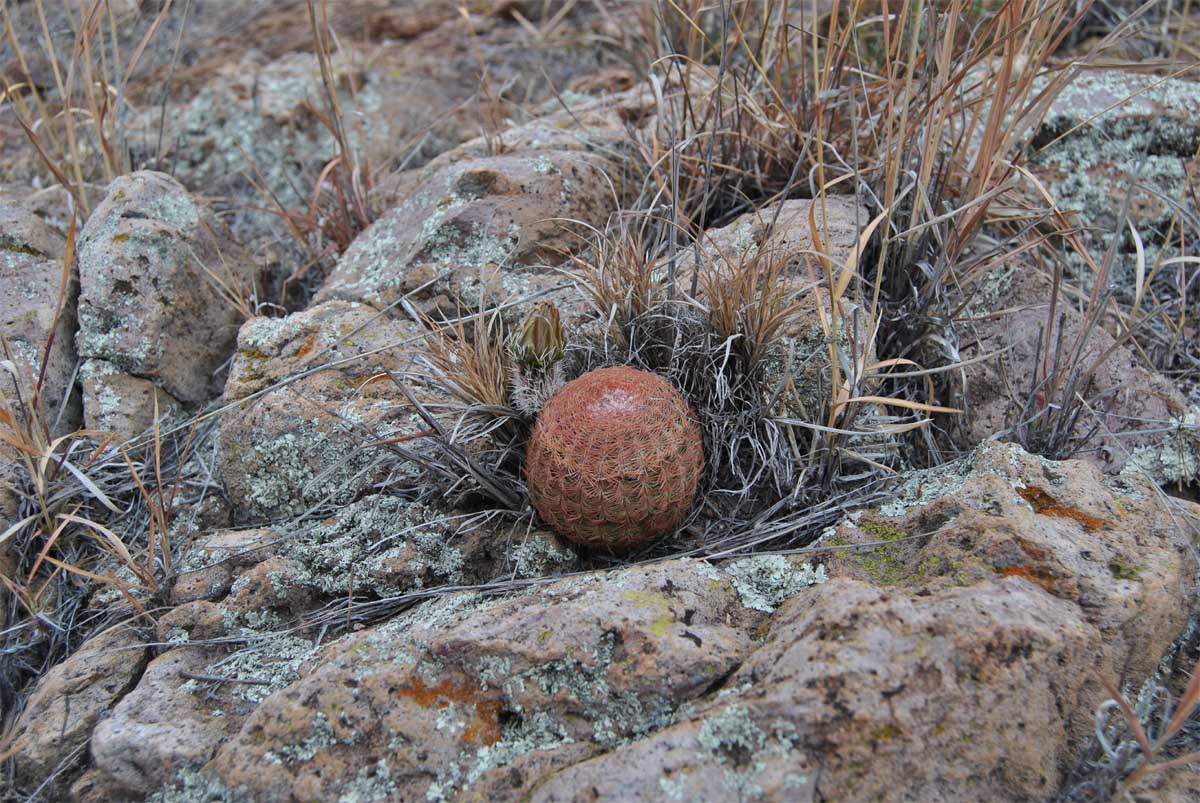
{"type": "Point", "coordinates": [77, 125]}
{"type": "Point", "coordinates": [926, 115]}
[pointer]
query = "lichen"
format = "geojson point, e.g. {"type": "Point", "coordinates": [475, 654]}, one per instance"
{"type": "Point", "coordinates": [929, 485]}
{"type": "Point", "coordinates": [379, 544]}
{"type": "Point", "coordinates": [763, 582]}
{"type": "Point", "coordinates": [193, 785]}
{"type": "Point", "coordinates": [538, 556]}
{"type": "Point", "coordinates": [1092, 147]}
{"type": "Point", "coordinates": [1175, 458]}
{"type": "Point", "coordinates": [615, 716]}
{"type": "Point", "coordinates": [372, 783]}
{"type": "Point", "coordinates": [268, 664]}
{"type": "Point", "coordinates": [736, 742]}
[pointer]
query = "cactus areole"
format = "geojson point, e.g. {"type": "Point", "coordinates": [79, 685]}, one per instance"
{"type": "Point", "coordinates": [614, 459]}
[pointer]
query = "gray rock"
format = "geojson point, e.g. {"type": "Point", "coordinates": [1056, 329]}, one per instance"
{"type": "Point", "coordinates": [149, 260]}
{"type": "Point", "coordinates": [31, 279]}
{"type": "Point", "coordinates": [293, 444]}
{"type": "Point", "coordinates": [505, 210]}
{"type": "Point", "coordinates": [124, 405]}
{"type": "Point", "coordinates": [463, 686]}
{"type": "Point", "coordinates": [70, 700]}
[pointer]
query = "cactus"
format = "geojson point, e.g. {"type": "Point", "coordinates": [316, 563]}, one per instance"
{"type": "Point", "coordinates": [536, 351]}
{"type": "Point", "coordinates": [614, 459]}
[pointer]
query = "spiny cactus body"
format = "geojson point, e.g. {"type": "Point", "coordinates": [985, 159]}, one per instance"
{"type": "Point", "coordinates": [614, 459]}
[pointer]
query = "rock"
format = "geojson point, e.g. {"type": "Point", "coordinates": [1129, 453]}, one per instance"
{"type": "Point", "coordinates": [1129, 404]}
{"type": "Point", "coordinates": [303, 441]}
{"type": "Point", "coordinates": [193, 621]}
{"type": "Point", "coordinates": [960, 662]}
{"type": "Point", "coordinates": [125, 405]}
{"type": "Point", "coordinates": [159, 727]}
{"type": "Point", "coordinates": [148, 303]}
{"type": "Point", "coordinates": [1106, 545]}
{"type": "Point", "coordinates": [595, 125]}
{"type": "Point", "coordinates": [70, 700]}
{"type": "Point", "coordinates": [1111, 134]}
{"type": "Point", "coordinates": [500, 210]}
{"type": "Point", "coordinates": [207, 567]}
{"type": "Point", "coordinates": [189, 699]}
{"type": "Point", "coordinates": [408, 103]}
{"type": "Point", "coordinates": [31, 279]}
{"type": "Point", "coordinates": [378, 546]}
{"type": "Point", "coordinates": [950, 644]}
{"type": "Point", "coordinates": [444, 696]}
{"type": "Point", "coordinates": [784, 231]}
{"type": "Point", "coordinates": [725, 756]}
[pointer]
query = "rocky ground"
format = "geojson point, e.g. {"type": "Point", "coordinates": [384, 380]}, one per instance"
{"type": "Point", "coordinates": [318, 626]}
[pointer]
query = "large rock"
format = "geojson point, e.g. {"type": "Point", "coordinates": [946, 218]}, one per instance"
{"type": "Point", "coordinates": [150, 258]}
{"type": "Point", "coordinates": [505, 210]}
{"type": "Point", "coordinates": [1110, 128]}
{"type": "Point", "coordinates": [1128, 404]}
{"type": "Point", "coordinates": [313, 393]}
{"type": "Point", "coordinates": [957, 648]}
{"type": "Point", "coordinates": [125, 405]}
{"type": "Point", "coordinates": [446, 697]}
{"type": "Point", "coordinates": [962, 659]}
{"type": "Point", "coordinates": [31, 289]}
{"type": "Point", "coordinates": [187, 702]}
{"type": "Point", "coordinates": [69, 702]}
{"type": "Point", "coordinates": [1111, 134]}
{"type": "Point", "coordinates": [404, 103]}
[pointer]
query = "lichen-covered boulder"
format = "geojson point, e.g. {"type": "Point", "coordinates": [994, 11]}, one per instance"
{"type": "Point", "coordinates": [475, 696]}
{"type": "Point", "coordinates": [1109, 546]}
{"type": "Point", "coordinates": [125, 405]}
{"type": "Point", "coordinates": [70, 700]}
{"type": "Point", "coordinates": [151, 260]}
{"type": "Point", "coordinates": [963, 658]}
{"type": "Point", "coordinates": [31, 283]}
{"type": "Point", "coordinates": [508, 210]}
{"type": "Point", "coordinates": [313, 393]}
{"type": "Point", "coordinates": [187, 702]}
{"type": "Point", "coordinates": [1105, 131]}
{"type": "Point", "coordinates": [1130, 406]}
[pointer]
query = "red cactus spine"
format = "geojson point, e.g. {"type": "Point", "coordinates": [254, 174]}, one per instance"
{"type": "Point", "coordinates": [614, 459]}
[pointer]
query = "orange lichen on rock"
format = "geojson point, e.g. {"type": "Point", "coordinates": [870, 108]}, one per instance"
{"type": "Point", "coordinates": [1046, 505]}
{"type": "Point", "coordinates": [482, 728]}
{"type": "Point", "coordinates": [307, 348]}
{"type": "Point", "coordinates": [614, 459]}
{"type": "Point", "coordinates": [1031, 573]}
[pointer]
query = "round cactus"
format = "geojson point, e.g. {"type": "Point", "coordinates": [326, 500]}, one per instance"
{"type": "Point", "coordinates": [614, 459]}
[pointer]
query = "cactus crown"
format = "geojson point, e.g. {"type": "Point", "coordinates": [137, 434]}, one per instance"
{"type": "Point", "coordinates": [614, 459]}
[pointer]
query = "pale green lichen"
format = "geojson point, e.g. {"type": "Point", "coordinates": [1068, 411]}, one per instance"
{"type": "Point", "coordinates": [929, 485]}
{"type": "Point", "coordinates": [538, 556]}
{"type": "Point", "coordinates": [312, 462]}
{"type": "Point", "coordinates": [736, 742]}
{"type": "Point", "coordinates": [518, 738]}
{"type": "Point", "coordinates": [673, 788]}
{"type": "Point", "coordinates": [270, 664]}
{"type": "Point", "coordinates": [372, 783]}
{"type": "Point", "coordinates": [1176, 458]}
{"type": "Point", "coordinates": [321, 736]}
{"type": "Point", "coordinates": [763, 582]}
{"type": "Point", "coordinates": [194, 785]}
{"type": "Point", "coordinates": [380, 544]}
{"type": "Point", "coordinates": [615, 715]}
{"type": "Point", "coordinates": [1107, 131]}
